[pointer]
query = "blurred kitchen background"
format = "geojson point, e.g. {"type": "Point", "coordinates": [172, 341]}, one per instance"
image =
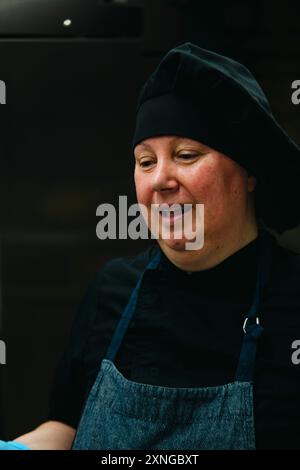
{"type": "Point", "coordinates": [73, 70]}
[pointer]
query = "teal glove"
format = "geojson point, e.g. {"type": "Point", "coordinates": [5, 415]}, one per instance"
{"type": "Point", "coordinates": [12, 445]}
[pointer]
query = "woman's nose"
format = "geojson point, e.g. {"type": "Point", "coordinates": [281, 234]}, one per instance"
{"type": "Point", "coordinates": [164, 177]}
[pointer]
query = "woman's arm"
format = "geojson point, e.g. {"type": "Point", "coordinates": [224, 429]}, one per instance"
{"type": "Point", "coordinates": [52, 435]}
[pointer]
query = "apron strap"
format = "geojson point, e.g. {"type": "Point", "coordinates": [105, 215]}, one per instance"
{"type": "Point", "coordinates": [251, 326]}
{"type": "Point", "coordinates": [127, 314]}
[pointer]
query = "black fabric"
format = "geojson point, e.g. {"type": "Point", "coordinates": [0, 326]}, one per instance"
{"type": "Point", "coordinates": [198, 94]}
{"type": "Point", "coordinates": [187, 332]}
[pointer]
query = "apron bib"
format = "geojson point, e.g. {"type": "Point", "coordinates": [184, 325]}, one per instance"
{"type": "Point", "coordinates": [123, 414]}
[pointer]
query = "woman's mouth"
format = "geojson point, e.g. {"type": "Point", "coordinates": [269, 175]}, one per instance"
{"type": "Point", "coordinates": [174, 212]}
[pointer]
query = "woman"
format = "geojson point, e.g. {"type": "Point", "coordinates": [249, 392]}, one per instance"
{"type": "Point", "coordinates": [191, 349]}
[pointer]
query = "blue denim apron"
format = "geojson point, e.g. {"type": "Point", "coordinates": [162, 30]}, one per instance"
{"type": "Point", "coordinates": [123, 414]}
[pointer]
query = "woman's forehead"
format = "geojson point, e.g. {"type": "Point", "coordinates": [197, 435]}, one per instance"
{"type": "Point", "coordinates": [168, 140]}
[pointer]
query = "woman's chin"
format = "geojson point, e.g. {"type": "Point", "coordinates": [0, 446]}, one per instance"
{"type": "Point", "coordinates": [173, 244]}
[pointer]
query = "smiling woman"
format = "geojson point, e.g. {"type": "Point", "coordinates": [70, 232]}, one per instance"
{"type": "Point", "coordinates": [164, 175]}
{"type": "Point", "coordinates": [194, 375]}
{"type": "Point", "coordinates": [191, 349]}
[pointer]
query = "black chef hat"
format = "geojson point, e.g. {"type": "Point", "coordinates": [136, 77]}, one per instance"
{"type": "Point", "coordinates": [198, 94]}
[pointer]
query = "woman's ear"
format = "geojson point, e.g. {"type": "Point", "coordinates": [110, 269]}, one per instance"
{"type": "Point", "coordinates": [251, 183]}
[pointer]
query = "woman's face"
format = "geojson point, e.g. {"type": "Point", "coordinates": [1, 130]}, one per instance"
{"type": "Point", "coordinates": [174, 170]}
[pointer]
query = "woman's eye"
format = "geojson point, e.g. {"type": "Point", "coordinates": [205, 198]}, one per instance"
{"type": "Point", "coordinates": [145, 163]}
{"type": "Point", "coordinates": [187, 156]}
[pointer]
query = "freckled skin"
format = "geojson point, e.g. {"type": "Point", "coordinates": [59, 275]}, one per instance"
{"type": "Point", "coordinates": [210, 178]}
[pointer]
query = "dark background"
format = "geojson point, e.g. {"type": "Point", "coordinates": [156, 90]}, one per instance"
{"type": "Point", "coordinates": [65, 148]}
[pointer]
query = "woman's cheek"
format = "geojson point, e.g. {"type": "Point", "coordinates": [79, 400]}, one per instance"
{"type": "Point", "coordinates": [140, 192]}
